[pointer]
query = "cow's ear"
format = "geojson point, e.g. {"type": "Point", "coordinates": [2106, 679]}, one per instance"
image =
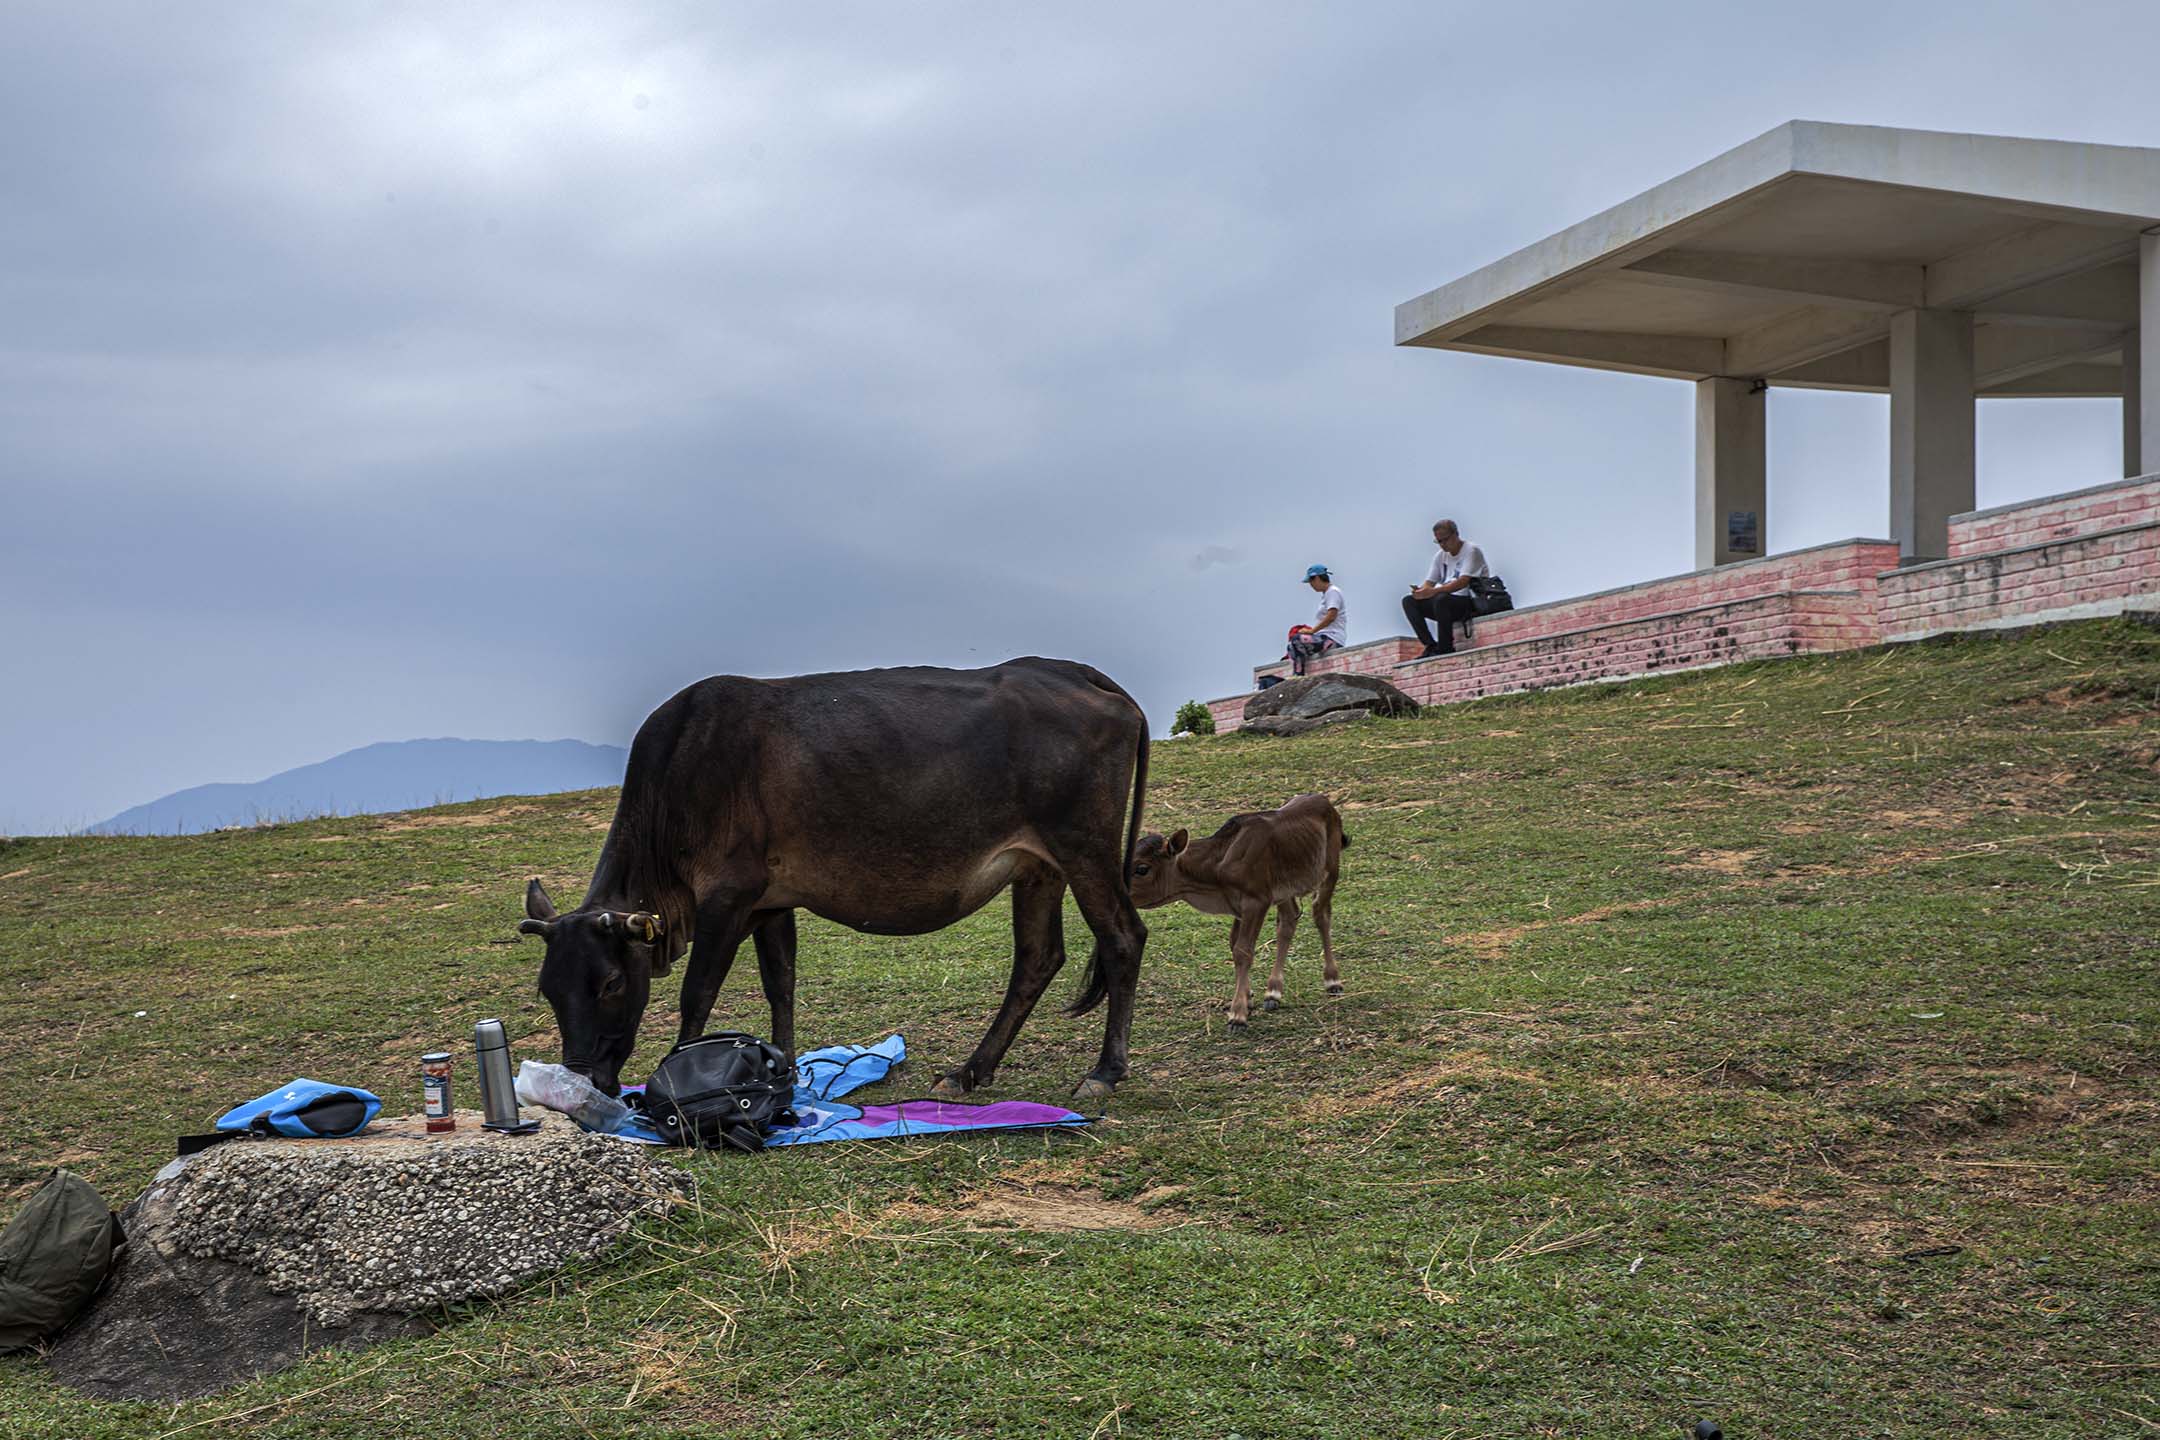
{"type": "Point", "coordinates": [537, 904]}
{"type": "Point", "coordinates": [1177, 843]}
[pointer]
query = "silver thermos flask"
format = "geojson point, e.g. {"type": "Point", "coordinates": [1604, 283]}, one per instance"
{"type": "Point", "coordinates": [498, 1093]}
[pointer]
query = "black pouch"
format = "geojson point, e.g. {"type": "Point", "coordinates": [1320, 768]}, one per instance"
{"type": "Point", "coordinates": [720, 1091]}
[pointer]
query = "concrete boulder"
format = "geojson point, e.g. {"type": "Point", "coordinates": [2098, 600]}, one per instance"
{"type": "Point", "coordinates": [1307, 702]}
{"type": "Point", "coordinates": [245, 1259]}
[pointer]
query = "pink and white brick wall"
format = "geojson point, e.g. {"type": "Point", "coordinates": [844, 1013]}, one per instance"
{"type": "Point", "coordinates": [2081, 512]}
{"type": "Point", "coordinates": [2089, 552]}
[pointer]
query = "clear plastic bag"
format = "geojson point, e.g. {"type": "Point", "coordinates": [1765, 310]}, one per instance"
{"type": "Point", "coordinates": [558, 1088]}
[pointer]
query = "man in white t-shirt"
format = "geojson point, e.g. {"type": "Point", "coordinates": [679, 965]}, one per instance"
{"type": "Point", "coordinates": [1444, 596]}
{"type": "Point", "coordinates": [1331, 622]}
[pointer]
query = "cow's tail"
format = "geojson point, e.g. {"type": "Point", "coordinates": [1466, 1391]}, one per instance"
{"type": "Point", "coordinates": [1095, 985]}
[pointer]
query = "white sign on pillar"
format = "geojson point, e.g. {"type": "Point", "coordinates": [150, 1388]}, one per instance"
{"type": "Point", "coordinates": [1730, 480]}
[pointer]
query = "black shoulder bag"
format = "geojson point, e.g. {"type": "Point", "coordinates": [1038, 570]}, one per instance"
{"type": "Point", "coordinates": [720, 1091]}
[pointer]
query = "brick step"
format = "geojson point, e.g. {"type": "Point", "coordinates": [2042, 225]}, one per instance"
{"type": "Point", "coordinates": [1841, 565]}
{"type": "Point", "coordinates": [2094, 573]}
{"type": "Point", "coordinates": [1759, 627]}
{"type": "Point", "coordinates": [2111, 506]}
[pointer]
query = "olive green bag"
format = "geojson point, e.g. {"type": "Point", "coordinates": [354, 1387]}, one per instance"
{"type": "Point", "coordinates": [54, 1255]}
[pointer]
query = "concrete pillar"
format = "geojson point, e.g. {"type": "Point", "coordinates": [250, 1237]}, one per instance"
{"type": "Point", "coordinates": [1729, 471]}
{"type": "Point", "coordinates": [1931, 428]}
{"type": "Point", "coordinates": [2141, 375]}
{"type": "Point", "coordinates": [2133, 404]}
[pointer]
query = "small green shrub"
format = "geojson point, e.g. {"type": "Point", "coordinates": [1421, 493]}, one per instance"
{"type": "Point", "coordinates": [1193, 718]}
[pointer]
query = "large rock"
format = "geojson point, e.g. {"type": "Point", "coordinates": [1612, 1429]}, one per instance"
{"type": "Point", "coordinates": [1309, 697]}
{"type": "Point", "coordinates": [244, 1258]}
{"type": "Point", "coordinates": [1299, 724]}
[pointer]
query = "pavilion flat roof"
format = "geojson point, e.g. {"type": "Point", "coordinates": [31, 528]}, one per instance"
{"type": "Point", "coordinates": [1784, 259]}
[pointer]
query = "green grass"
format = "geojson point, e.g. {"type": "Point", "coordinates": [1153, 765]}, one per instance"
{"type": "Point", "coordinates": [1677, 1012]}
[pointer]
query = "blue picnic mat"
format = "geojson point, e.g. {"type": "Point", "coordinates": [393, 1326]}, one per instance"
{"type": "Point", "coordinates": [823, 1076]}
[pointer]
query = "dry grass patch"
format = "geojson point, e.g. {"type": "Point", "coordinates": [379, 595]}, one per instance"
{"type": "Point", "coordinates": [1493, 944]}
{"type": "Point", "coordinates": [1722, 862]}
{"type": "Point", "coordinates": [1424, 1084]}
{"type": "Point", "coordinates": [461, 820]}
{"type": "Point", "coordinates": [1037, 1207]}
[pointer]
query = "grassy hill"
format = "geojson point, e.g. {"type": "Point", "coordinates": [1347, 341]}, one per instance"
{"type": "Point", "coordinates": [1685, 1019]}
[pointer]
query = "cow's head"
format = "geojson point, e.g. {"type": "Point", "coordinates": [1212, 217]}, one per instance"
{"type": "Point", "coordinates": [1154, 869]}
{"type": "Point", "coordinates": [597, 975]}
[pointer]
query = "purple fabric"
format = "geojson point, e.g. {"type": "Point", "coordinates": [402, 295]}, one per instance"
{"type": "Point", "coordinates": [940, 1112]}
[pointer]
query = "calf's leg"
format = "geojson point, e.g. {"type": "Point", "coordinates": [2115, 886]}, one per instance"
{"type": "Point", "coordinates": [1244, 935]}
{"type": "Point", "coordinates": [1323, 916]}
{"type": "Point", "coordinates": [1285, 926]}
{"type": "Point", "coordinates": [1038, 954]}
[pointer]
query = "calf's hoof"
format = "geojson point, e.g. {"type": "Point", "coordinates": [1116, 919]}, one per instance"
{"type": "Point", "coordinates": [1238, 1026]}
{"type": "Point", "coordinates": [1273, 1002]}
{"type": "Point", "coordinates": [949, 1087]}
{"type": "Point", "coordinates": [1093, 1089]}
{"type": "Point", "coordinates": [1334, 987]}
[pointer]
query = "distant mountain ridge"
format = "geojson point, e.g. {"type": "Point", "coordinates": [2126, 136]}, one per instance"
{"type": "Point", "coordinates": [391, 775]}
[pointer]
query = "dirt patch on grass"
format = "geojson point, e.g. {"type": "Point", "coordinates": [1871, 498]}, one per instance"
{"type": "Point", "coordinates": [470, 819]}
{"type": "Point", "coordinates": [1049, 1194]}
{"type": "Point", "coordinates": [1388, 804]}
{"type": "Point", "coordinates": [1906, 819]}
{"type": "Point", "coordinates": [1041, 1207]}
{"type": "Point", "coordinates": [2079, 695]}
{"type": "Point", "coordinates": [1422, 1084]}
{"type": "Point", "coordinates": [1722, 862]}
{"type": "Point", "coordinates": [1002, 1207]}
{"type": "Point", "coordinates": [1492, 944]}
{"type": "Point", "coordinates": [2006, 1102]}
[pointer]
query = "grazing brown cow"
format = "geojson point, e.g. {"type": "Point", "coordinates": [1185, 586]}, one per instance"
{"type": "Point", "coordinates": [1267, 858]}
{"type": "Point", "coordinates": [895, 802]}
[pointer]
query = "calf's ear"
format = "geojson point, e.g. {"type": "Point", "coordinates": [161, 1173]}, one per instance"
{"type": "Point", "coordinates": [537, 904]}
{"type": "Point", "coordinates": [1177, 844]}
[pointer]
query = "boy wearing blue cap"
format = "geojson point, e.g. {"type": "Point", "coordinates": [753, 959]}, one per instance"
{"type": "Point", "coordinates": [1330, 627]}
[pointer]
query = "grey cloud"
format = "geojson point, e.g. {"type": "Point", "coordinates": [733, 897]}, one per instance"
{"type": "Point", "coordinates": [384, 371]}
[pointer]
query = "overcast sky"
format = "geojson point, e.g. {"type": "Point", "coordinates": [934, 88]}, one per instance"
{"type": "Point", "coordinates": [371, 372]}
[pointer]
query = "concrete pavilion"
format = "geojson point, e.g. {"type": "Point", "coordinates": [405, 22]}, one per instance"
{"type": "Point", "coordinates": [1933, 267]}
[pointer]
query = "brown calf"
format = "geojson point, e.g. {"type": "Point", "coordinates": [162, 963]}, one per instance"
{"type": "Point", "coordinates": [1268, 858]}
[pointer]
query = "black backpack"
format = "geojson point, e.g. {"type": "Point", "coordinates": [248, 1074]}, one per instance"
{"type": "Point", "coordinates": [722, 1090]}
{"type": "Point", "coordinates": [1489, 594]}
{"type": "Point", "coordinates": [54, 1257]}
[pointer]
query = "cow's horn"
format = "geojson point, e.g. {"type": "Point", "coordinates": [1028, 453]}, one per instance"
{"type": "Point", "coordinates": [646, 925]}
{"type": "Point", "coordinates": [535, 927]}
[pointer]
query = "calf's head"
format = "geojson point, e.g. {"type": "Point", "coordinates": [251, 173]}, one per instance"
{"type": "Point", "coordinates": [1155, 869]}
{"type": "Point", "coordinates": [597, 975]}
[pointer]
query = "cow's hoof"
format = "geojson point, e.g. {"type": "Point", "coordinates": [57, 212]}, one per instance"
{"type": "Point", "coordinates": [1271, 1003]}
{"type": "Point", "coordinates": [1334, 987]}
{"type": "Point", "coordinates": [1093, 1089]}
{"type": "Point", "coordinates": [949, 1087]}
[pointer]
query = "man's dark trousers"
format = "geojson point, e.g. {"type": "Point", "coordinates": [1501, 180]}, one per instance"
{"type": "Point", "coordinates": [1447, 609]}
